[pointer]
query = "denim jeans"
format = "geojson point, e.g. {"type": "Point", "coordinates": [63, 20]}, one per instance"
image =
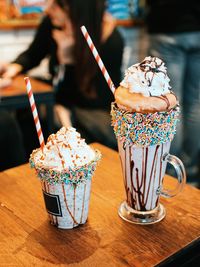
{"type": "Point", "coordinates": [135, 46]}
{"type": "Point", "coordinates": [181, 53]}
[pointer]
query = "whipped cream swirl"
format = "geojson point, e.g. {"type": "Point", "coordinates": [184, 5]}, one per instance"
{"type": "Point", "coordinates": [148, 78]}
{"type": "Point", "coordinates": [65, 149]}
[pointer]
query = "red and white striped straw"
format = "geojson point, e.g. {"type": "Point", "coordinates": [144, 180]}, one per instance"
{"type": "Point", "coordinates": [34, 111]}
{"type": "Point", "coordinates": [98, 59]}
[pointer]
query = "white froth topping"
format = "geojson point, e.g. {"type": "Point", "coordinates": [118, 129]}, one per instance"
{"type": "Point", "coordinates": [148, 78]}
{"type": "Point", "coordinates": [64, 149]}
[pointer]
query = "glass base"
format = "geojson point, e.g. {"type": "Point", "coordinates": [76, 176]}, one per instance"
{"type": "Point", "coordinates": [141, 217]}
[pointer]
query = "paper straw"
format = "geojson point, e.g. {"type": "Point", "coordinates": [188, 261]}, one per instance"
{"type": "Point", "coordinates": [98, 59]}
{"type": "Point", "coordinates": [34, 111]}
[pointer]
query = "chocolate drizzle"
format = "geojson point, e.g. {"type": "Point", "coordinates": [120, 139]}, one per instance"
{"type": "Point", "coordinates": [74, 200]}
{"type": "Point", "coordinates": [65, 200]}
{"type": "Point", "coordinates": [73, 204]}
{"type": "Point", "coordinates": [131, 198]}
{"type": "Point", "coordinates": [143, 173]}
{"type": "Point", "coordinates": [164, 97]}
{"type": "Point", "coordinates": [146, 67]}
{"type": "Point", "coordinates": [151, 173]}
{"type": "Point", "coordinates": [59, 154]}
{"type": "Point", "coordinates": [83, 203]}
{"type": "Point", "coordinates": [160, 174]}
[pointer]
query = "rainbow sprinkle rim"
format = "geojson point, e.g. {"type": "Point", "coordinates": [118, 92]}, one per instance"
{"type": "Point", "coordinates": [67, 176]}
{"type": "Point", "coordinates": [144, 129]}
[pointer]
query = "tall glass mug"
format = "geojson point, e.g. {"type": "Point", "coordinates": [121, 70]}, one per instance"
{"type": "Point", "coordinates": [143, 170]}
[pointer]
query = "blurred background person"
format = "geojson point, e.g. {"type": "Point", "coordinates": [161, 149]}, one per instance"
{"type": "Point", "coordinates": [130, 21]}
{"type": "Point", "coordinates": [174, 28]}
{"type": "Point", "coordinates": [81, 92]}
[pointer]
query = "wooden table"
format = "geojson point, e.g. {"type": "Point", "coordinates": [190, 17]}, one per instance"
{"type": "Point", "coordinates": [27, 238]}
{"type": "Point", "coordinates": [15, 96]}
{"type": "Point", "coordinates": [19, 24]}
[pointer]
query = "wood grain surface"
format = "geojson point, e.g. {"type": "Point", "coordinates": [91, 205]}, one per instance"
{"type": "Point", "coordinates": [18, 87]}
{"type": "Point", "coordinates": [18, 24]}
{"type": "Point", "coordinates": [28, 239]}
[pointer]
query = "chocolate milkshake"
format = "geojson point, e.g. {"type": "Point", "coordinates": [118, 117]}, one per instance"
{"type": "Point", "coordinates": [65, 167]}
{"type": "Point", "coordinates": [144, 117]}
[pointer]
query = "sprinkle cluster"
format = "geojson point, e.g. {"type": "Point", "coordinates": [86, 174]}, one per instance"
{"type": "Point", "coordinates": [67, 176]}
{"type": "Point", "coordinates": [144, 129]}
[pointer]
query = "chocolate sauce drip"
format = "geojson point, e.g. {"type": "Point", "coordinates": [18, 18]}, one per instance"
{"type": "Point", "coordinates": [129, 196]}
{"type": "Point", "coordinates": [128, 191]}
{"type": "Point", "coordinates": [141, 194]}
{"type": "Point", "coordinates": [83, 203]}
{"type": "Point", "coordinates": [130, 200]}
{"type": "Point", "coordinates": [138, 187]}
{"type": "Point", "coordinates": [144, 170]}
{"type": "Point", "coordinates": [125, 178]}
{"type": "Point", "coordinates": [147, 69]}
{"type": "Point", "coordinates": [138, 194]}
{"type": "Point", "coordinates": [65, 200]}
{"type": "Point", "coordinates": [74, 200]}
{"type": "Point", "coordinates": [164, 97]}
{"type": "Point", "coordinates": [133, 201]}
{"type": "Point", "coordinates": [54, 218]}
{"type": "Point", "coordinates": [151, 174]}
{"type": "Point", "coordinates": [46, 189]}
{"type": "Point", "coordinates": [160, 173]}
{"type": "Point", "coordinates": [59, 154]}
{"type": "Point", "coordinates": [154, 179]}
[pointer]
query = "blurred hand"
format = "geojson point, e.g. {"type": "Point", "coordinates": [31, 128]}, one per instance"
{"type": "Point", "coordinates": [108, 25]}
{"type": "Point", "coordinates": [5, 82]}
{"type": "Point", "coordinates": [2, 68]}
{"type": "Point", "coordinates": [9, 71]}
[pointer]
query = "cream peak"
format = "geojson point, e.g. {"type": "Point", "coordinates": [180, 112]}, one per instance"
{"type": "Point", "coordinates": [148, 78]}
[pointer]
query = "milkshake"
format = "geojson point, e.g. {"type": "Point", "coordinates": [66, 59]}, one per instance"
{"type": "Point", "coordinates": [65, 167]}
{"type": "Point", "coordinates": [144, 118]}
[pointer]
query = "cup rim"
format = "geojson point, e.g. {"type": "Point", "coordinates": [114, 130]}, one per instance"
{"type": "Point", "coordinates": [40, 166]}
{"type": "Point", "coordinates": [67, 176]}
{"type": "Point", "coordinates": [144, 129]}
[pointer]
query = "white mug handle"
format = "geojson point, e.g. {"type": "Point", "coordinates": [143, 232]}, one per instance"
{"type": "Point", "coordinates": [181, 175]}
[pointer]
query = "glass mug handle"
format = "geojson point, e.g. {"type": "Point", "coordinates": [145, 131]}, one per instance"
{"type": "Point", "coordinates": [181, 175]}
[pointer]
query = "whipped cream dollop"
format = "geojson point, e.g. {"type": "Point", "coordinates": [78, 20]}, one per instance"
{"type": "Point", "coordinates": [65, 149]}
{"type": "Point", "coordinates": [148, 78]}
